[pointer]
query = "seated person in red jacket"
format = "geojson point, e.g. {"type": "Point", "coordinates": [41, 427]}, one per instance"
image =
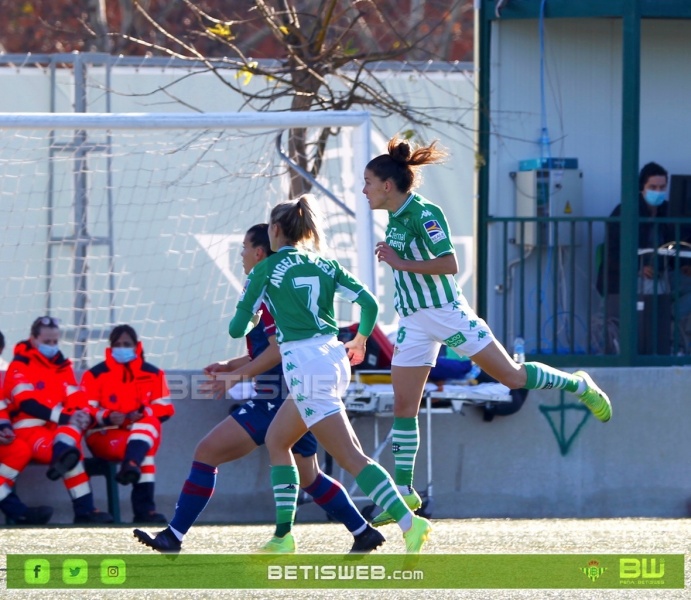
{"type": "Point", "coordinates": [130, 398]}
{"type": "Point", "coordinates": [49, 414]}
{"type": "Point", "coordinates": [15, 453]}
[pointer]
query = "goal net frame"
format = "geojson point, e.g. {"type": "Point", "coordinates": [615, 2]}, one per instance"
{"type": "Point", "coordinates": [79, 331]}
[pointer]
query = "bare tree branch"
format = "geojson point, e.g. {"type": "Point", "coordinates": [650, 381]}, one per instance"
{"type": "Point", "coordinates": [325, 57]}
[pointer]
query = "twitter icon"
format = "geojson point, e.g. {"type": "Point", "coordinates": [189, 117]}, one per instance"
{"type": "Point", "coordinates": [75, 571]}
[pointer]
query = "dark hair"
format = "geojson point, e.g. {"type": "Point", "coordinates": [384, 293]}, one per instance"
{"type": "Point", "coordinates": [402, 163]}
{"type": "Point", "coordinates": [46, 321]}
{"type": "Point", "coordinates": [652, 169]}
{"type": "Point", "coordinates": [119, 330]}
{"type": "Point", "coordinates": [259, 237]}
{"type": "Point", "coordinates": [299, 220]}
{"type": "Point", "coordinates": [2, 342]}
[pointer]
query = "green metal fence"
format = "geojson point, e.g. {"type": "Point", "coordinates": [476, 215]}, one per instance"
{"type": "Point", "coordinates": [542, 285]}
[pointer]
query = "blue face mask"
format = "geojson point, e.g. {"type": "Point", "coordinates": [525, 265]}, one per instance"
{"type": "Point", "coordinates": [123, 355]}
{"type": "Point", "coordinates": [654, 198]}
{"type": "Point", "coordinates": [48, 351]}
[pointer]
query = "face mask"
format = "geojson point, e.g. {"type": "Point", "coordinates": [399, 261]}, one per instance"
{"type": "Point", "coordinates": [48, 351]}
{"type": "Point", "coordinates": [654, 198]}
{"type": "Point", "coordinates": [123, 355]}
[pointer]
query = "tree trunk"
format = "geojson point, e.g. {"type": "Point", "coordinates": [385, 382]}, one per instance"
{"type": "Point", "coordinates": [97, 20]}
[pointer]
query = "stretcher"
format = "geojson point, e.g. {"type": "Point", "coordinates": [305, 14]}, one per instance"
{"type": "Point", "coordinates": [370, 394]}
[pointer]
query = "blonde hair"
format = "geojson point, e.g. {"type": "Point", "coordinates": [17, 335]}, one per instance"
{"type": "Point", "coordinates": [300, 221]}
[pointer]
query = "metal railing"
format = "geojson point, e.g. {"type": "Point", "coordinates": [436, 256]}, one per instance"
{"type": "Point", "coordinates": [549, 283]}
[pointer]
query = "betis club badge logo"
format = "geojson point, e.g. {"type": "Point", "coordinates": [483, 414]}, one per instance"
{"type": "Point", "coordinates": [593, 570]}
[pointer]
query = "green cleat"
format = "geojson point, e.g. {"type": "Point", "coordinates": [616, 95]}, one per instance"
{"type": "Point", "coordinates": [417, 535]}
{"type": "Point", "coordinates": [384, 518]}
{"type": "Point", "coordinates": [279, 545]}
{"type": "Point", "coordinates": [595, 399]}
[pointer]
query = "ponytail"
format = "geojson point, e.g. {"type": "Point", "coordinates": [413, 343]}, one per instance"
{"type": "Point", "coordinates": [300, 221]}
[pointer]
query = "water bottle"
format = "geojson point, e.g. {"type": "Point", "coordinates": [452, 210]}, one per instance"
{"type": "Point", "coordinates": [519, 350]}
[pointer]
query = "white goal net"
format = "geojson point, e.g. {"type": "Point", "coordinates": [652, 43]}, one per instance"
{"type": "Point", "coordinates": [139, 219]}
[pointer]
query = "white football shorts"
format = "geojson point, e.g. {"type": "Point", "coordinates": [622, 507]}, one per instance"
{"type": "Point", "coordinates": [421, 334]}
{"type": "Point", "coordinates": [317, 371]}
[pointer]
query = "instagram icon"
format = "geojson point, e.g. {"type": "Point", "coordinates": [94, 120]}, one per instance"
{"type": "Point", "coordinates": [113, 571]}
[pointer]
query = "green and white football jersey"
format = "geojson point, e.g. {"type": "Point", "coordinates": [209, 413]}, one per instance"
{"type": "Point", "coordinates": [299, 288]}
{"type": "Point", "coordinates": [419, 231]}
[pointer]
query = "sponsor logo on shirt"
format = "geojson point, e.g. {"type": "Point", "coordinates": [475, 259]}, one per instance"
{"type": "Point", "coordinates": [396, 240]}
{"type": "Point", "coordinates": [434, 231]}
{"type": "Point", "coordinates": [455, 340]}
{"type": "Point", "coordinates": [425, 213]}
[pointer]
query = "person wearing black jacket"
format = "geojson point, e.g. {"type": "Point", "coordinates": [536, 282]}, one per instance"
{"type": "Point", "coordinates": [652, 204]}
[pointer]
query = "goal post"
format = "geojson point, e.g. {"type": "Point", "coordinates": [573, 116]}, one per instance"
{"type": "Point", "coordinates": [139, 217]}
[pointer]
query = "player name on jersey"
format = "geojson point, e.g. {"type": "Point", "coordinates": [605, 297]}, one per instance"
{"type": "Point", "coordinates": [293, 260]}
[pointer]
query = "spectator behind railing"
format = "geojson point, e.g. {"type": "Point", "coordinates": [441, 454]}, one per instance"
{"type": "Point", "coordinates": [655, 230]}
{"type": "Point", "coordinates": [652, 203]}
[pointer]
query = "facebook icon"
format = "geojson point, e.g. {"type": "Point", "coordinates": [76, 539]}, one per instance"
{"type": "Point", "coordinates": [37, 571]}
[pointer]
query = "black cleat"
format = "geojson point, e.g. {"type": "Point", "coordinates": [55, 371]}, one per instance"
{"type": "Point", "coordinates": [96, 517]}
{"type": "Point", "coordinates": [129, 473]}
{"type": "Point", "coordinates": [63, 463]}
{"type": "Point", "coordinates": [164, 541]}
{"type": "Point", "coordinates": [368, 540]}
{"type": "Point", "coordinates": [35, 515]}
{"type": "Point", "coordinates": [151, 517]}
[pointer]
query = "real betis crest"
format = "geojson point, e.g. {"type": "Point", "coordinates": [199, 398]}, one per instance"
{"type": "Point", "coordinates": [593, 570]}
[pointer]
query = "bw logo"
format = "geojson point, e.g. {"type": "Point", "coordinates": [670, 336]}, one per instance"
{"type": "Point", "coordinates": [395, 448]}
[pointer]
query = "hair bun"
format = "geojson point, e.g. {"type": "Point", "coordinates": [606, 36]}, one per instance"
{"type": "Point", "coordinates": [401, 152]}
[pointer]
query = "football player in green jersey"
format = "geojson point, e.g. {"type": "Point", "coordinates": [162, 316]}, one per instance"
{"type": "Point", "coordinates": [245, 429]}
{"type": "Point", "coordinates": [298, 286]}
{"type": "Point", "coordinates": [433, 311]}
